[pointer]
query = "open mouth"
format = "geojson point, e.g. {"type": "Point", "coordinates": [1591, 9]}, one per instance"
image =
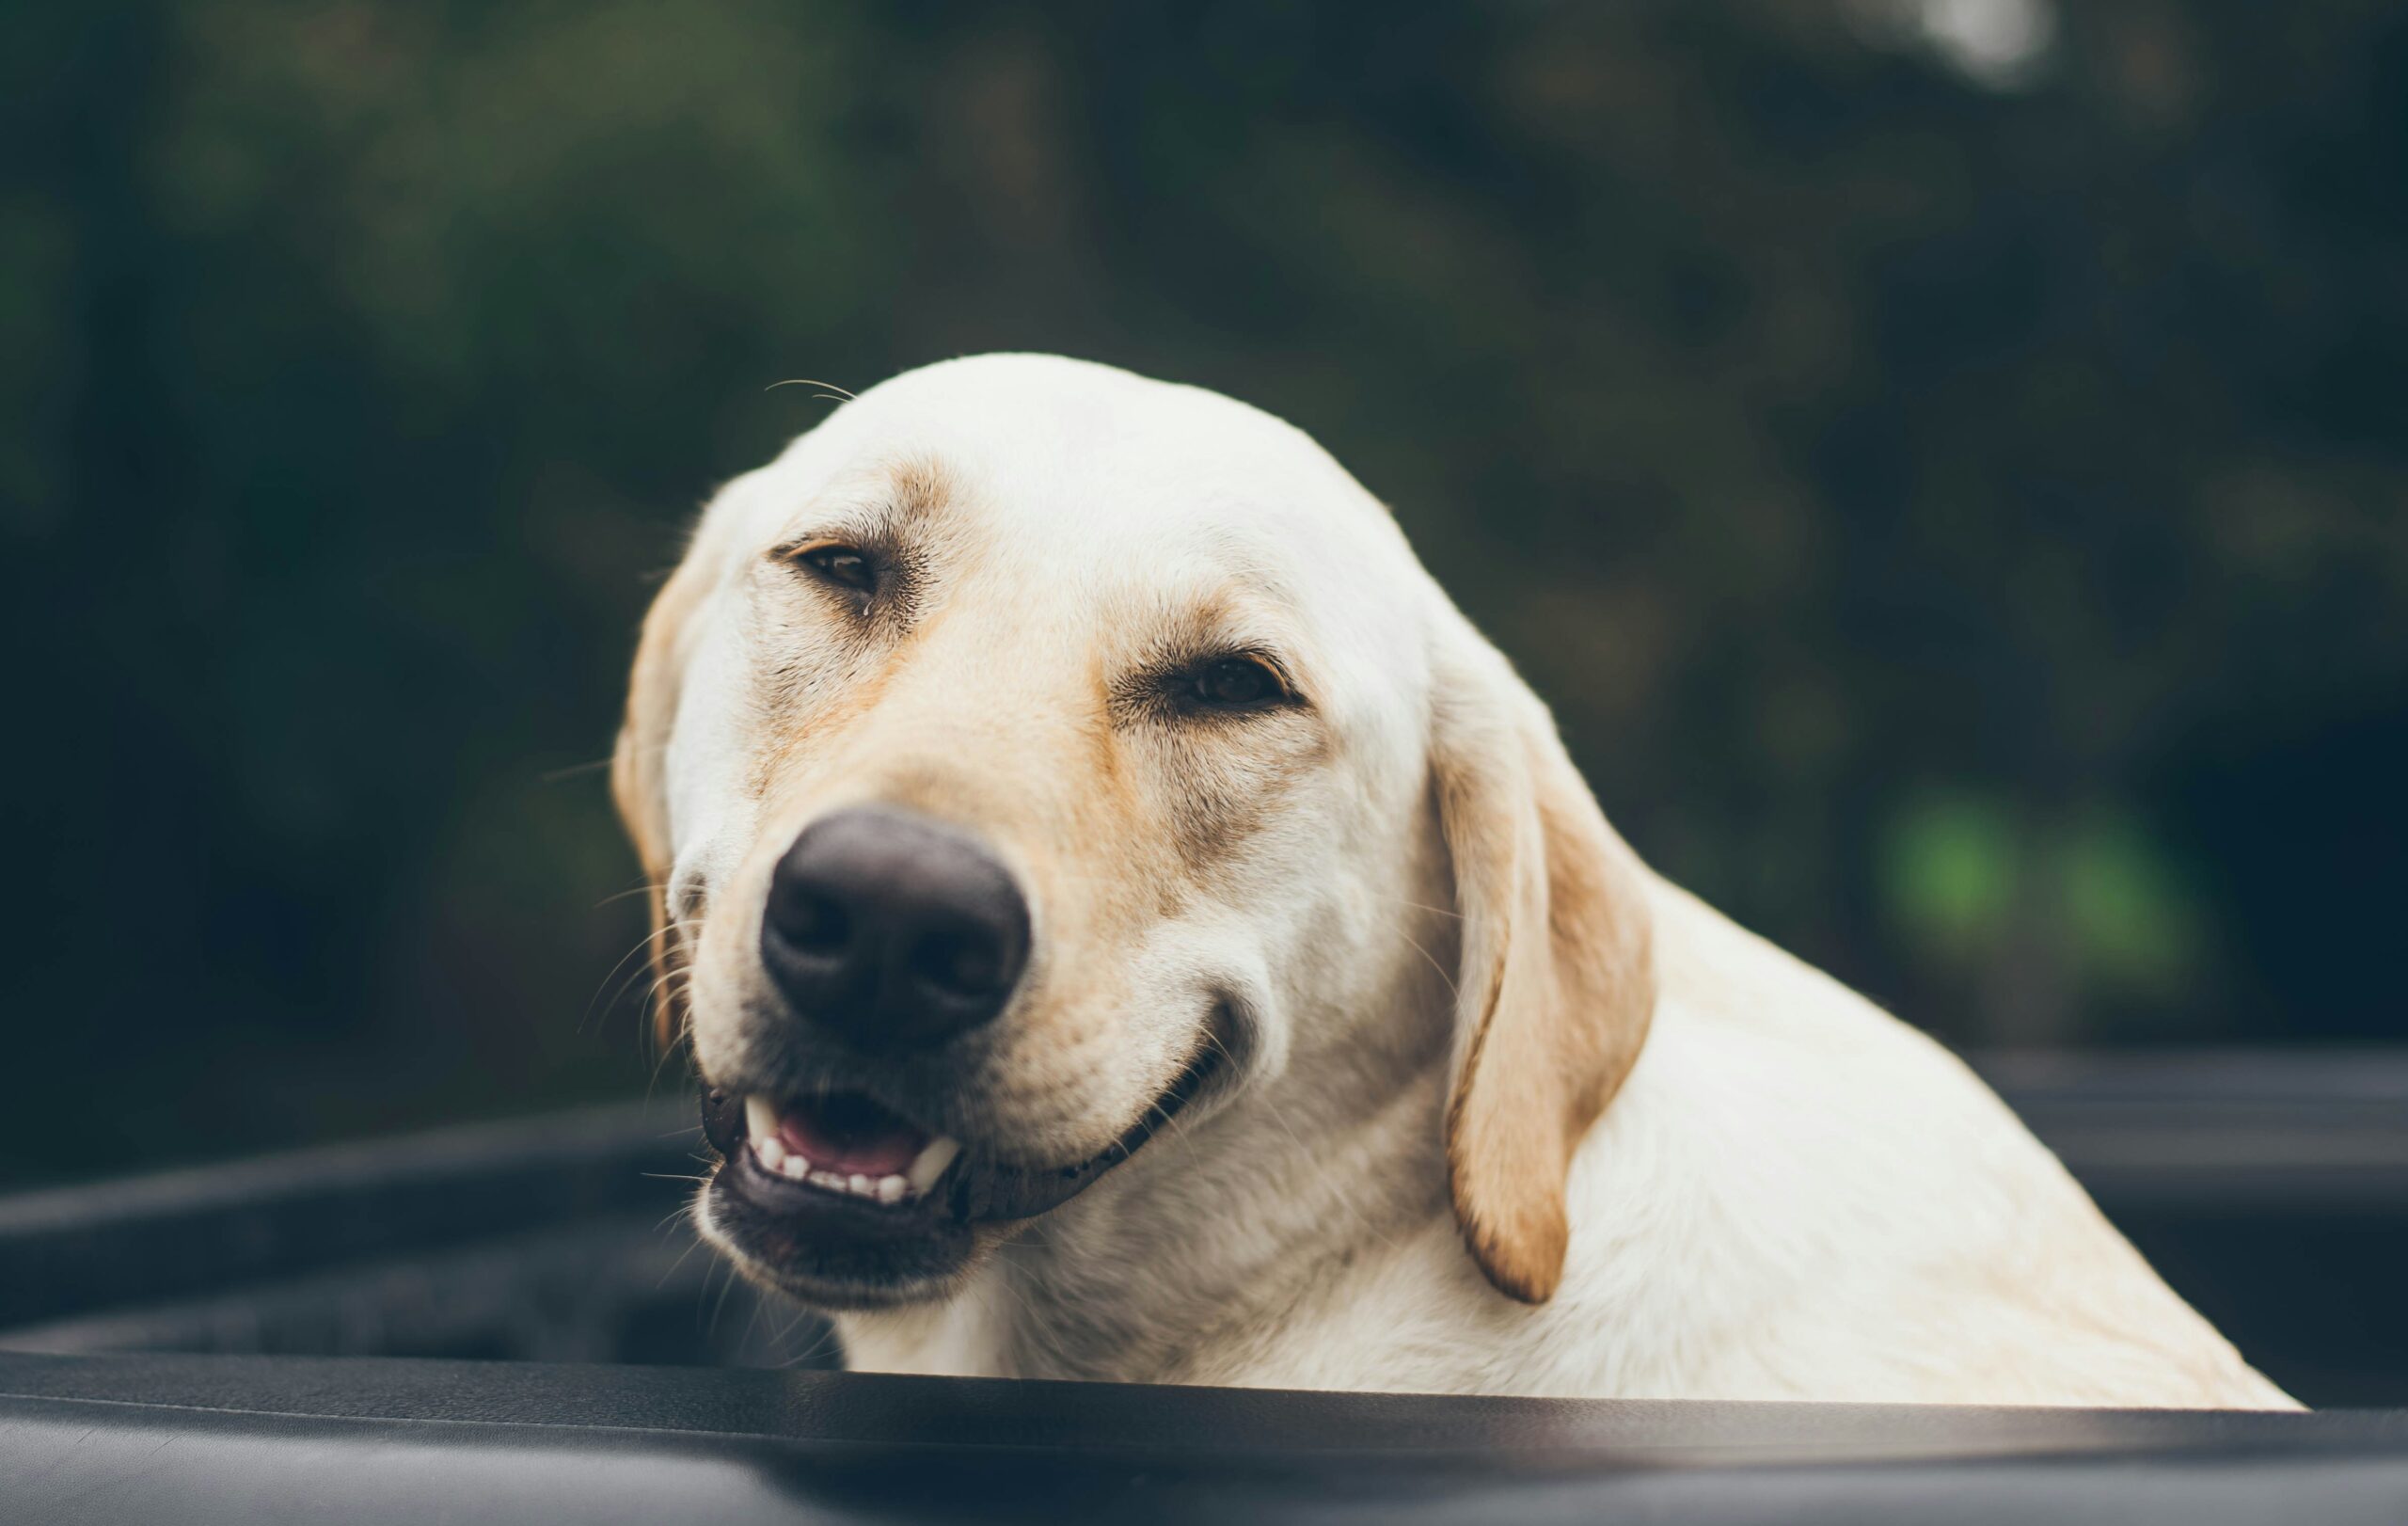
{"type": "Point", "coordinates": [838, 1162]}
{"type": "Point", "coordinates": [847, 1144]}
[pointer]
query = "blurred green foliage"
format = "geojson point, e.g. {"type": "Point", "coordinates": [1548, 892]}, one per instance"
{"type": "Point", "coordinates": [1955, 501]}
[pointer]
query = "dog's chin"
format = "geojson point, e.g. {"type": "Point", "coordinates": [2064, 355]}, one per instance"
{"type": "Point", "coordinates": [841, 1203]}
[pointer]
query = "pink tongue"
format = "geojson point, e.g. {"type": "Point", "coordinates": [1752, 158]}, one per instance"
{"type": "Point", "coordinates": [851, 1135]}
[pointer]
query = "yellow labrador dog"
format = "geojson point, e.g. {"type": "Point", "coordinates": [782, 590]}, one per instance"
{"type": "Point", "coordinates": [1132, 926]}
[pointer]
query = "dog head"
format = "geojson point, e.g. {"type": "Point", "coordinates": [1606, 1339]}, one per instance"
{"type": "Point", "coordinates": [1034, 751]}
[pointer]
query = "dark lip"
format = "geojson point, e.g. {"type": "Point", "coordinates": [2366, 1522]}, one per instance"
{"type": "Point", "coordinates": [980, 1188]}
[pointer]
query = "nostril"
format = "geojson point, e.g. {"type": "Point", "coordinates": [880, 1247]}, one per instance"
{"type": "Point", "coordinates": [812, 923]}
{"type": "Point", "coordinates": [965, 961]}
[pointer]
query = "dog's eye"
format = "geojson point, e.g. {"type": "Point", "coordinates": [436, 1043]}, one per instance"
{"type": "Point", "coordinates": [1234, 683]}
{"type": "Point", "coordinates": [842, 565]}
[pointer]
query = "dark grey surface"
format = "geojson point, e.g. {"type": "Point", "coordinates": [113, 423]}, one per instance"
{"type": "Point", "coordinates": [270, 1440]}
{"type": "Point", "coordinates": [2264, 1132]}
{"type": "Point", "coordinates": [143, 1240]}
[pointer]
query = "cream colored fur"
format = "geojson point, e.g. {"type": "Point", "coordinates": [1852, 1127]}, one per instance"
{"type": "Point", "coordinates": [1511, 1114]}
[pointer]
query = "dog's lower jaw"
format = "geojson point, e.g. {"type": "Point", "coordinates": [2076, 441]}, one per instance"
{"type": "Point", "coordinates": [1136, 1282]}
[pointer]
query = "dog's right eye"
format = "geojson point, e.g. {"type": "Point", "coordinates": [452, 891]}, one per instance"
{"type": "Point", "coordinates": [843, 565]}
{"type": "Point", "coordinates": [848, 571]}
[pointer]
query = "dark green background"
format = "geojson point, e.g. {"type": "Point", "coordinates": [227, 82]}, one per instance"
{"type": "Point", "coordinates": [1958, 508]}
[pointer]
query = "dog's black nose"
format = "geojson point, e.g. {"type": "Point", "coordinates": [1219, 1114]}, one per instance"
{"type": "Point", "coordinates": [893, 930]}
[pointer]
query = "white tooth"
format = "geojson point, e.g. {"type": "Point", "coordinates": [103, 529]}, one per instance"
{"type": "Point", "coordinates": [891, 1189]}
{"type": "Point", "coordinates": [796, 1166]}
{"type": "Point", "coordinates": [863, 1186]}
{"type": "Point", "coordinates": [772, 1151]}
{"type": "Point", "coordinates": [761, 1116]}
{"type": "Point", "coordinates": [930, 1164]}
{"type": "Point", "coordinates": [829, 1180]}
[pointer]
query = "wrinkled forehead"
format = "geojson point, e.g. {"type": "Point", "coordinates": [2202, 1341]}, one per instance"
{"type": "Point", "coordinates": [1095, 496]}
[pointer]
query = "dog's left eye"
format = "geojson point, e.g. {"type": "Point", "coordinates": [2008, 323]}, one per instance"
{"type": "Point", "coordinates": [1234, 683]}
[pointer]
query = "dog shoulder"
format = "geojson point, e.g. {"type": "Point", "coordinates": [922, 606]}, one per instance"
{"type": "Point", "coordinates": [1799, 1196]}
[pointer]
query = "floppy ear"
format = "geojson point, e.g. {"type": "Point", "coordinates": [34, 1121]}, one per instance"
{"type": "Point", "coordinates": [637, 768]}
{"type": "Point", "coordinates": [1558, 981]}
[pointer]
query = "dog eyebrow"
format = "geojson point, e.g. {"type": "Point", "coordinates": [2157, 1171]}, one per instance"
{"type": "Point", "coordinates": [918, 486]}
{"type": "Point", "coordinates": [877, 506]}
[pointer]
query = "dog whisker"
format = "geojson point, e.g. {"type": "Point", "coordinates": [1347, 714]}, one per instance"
{"type": "Point", "coordinates": [648, 887]}
{"type": "Point", "coordinates": [807, 381]}
{"type": "Point", "coordinates": [553, 776]}
{"type": "Point", "coordinates": [1432, 960]}
{"type": "Point", "coordinates": [1434, 911]}
{"type": "Point", "coordinates": [643, 947]}
{"type": "Point", "coordinates": [668, 1053]}
{"type": "Point", "coordinates": [679, 1263]}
